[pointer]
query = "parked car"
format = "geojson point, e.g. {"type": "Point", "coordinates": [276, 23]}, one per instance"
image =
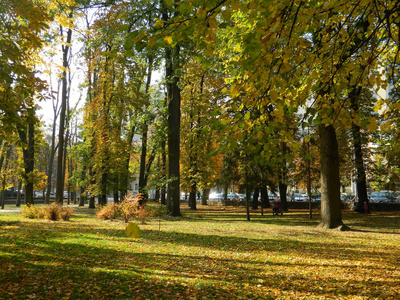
{"type": "Point", "coordinates": [300, 197]}
{"type": "Point", "coordinates": [272, 197]}
{"type": "Point", "coordinates": [216, 196]}
{"type": "Point", "coordinates": [383, 197]}
{"type": "Point", "coordinates": [12, 193]}
{"type": "Point", "coordinates": [316, 197]}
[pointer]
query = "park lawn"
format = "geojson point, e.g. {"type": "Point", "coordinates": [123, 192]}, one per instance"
{"type": "Point", "coordinates": [211, 253]}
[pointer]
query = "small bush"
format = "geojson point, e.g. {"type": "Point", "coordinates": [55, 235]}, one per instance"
{"type": "Point", "coordinates": [66, 212]}
{"type": "Point", "coordinates": [108, 212]}
{"type": "Point", "coordinates": [33, 212]}
{"type": "Point", "coordinates": [143, 213]}
{"type": "Point", "coordinates": [131, 207]}
{"type": "Point", "coordinates": [53, 212]}
{"type": "Point", "coordinates": [157, 211]}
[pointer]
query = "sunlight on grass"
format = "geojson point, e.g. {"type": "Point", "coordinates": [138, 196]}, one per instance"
{"type": "Point", "coordinates": [207, 254]}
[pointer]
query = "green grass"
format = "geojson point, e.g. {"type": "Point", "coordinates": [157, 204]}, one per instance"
{"type": "Point", "coordinates": [211, 253]}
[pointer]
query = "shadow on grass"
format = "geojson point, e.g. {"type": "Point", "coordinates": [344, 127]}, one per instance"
{"type": "Point", "coordinates": [76, 271]}
{"type": "Point", "coordinates": [47, 269]}
{"type": "Point", "coordinates": [45, 260]}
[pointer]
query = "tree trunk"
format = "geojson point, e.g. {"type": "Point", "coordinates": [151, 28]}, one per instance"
{"type": "Point", "coordinates": [116, 197]}
{"type": "Point", "coordinates": [192, 197]}
{"type": "Point", "coordinates": [172, 57]}
{"type": "Point", "coordinates": [82, 197]}
{"type": "Point", "coordinates": [60, 158]}
{"type": "Point", "coordinates": [256, 195]}
{"type": "Point", "coordinates": [361, 181]}
{"type": "Point", "coordinates": [103, 196]}
{"type": "Point", "coordinates": [29, 156]}
{"type": "Point", "coordinates": [331, 215]}
{"type": "Point", "coordinates": [206, 196]}
{"type": "Point", "coordinates": [282, 186]}
{"type": "Point", "coordinates": [163, 173]}
{"type": "Point", "coordinates": [248, 196]}
{"type": "Point", "coordinates": [264, 197]}
{"type": "Point", "coordinates": [283, 195]}
{"type": "Point", "coordinates": [53, 150]}
{"type": "Point", "coordinates": [142, 185]}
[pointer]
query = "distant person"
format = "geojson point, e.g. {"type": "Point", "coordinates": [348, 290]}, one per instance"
{"type": "Point", "coordinates": [276, 210]}
{"type": "Point", "coordinates": [366, 208]}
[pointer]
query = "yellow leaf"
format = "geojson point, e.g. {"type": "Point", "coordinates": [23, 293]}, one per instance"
{"type": "Point", "coordinates": [133, 230]}
{"type": "Point", "coordinates": [274, 95]}
{"type": "Point", "coordinates": [168, 39]}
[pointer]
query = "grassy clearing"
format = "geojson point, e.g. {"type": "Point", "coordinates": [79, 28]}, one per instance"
{"type": "Point", "coordinates": [212, 253]}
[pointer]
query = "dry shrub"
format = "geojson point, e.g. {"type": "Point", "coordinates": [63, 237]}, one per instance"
{"type": "Point", "coordinates": [128, 209]}
{"type": "Point", "coordinates": [33, 212]}
{"type": "Point", "coordinates": [143, 213]}
{"type": "Point", "coordinates": [108, 212]}
{"type": "Point", "coordinates": [66, 212]}
{"type": "Point", "coordinates": [131, 207]}
{"type": "Point", "coordinates": [53, 212]}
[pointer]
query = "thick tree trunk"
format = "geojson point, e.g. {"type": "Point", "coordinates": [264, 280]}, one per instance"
{"type": "Point", "coordinates": [29, 156]}
{"type": "Point", "coordinates": [172, 57]}
{"type": "Point", "coordinates": [256, 195]}
{"type": "Point", "coordinates": [192, 197]}
{"type": "Point", "coordinates": [264, 197]}
{"type": "Point", "coordinates": [82, 197]}
{"type": "Point", "coordinates": [331, 215]}
{"type": "Point", "coordinates": [283, 195]}
{"type": "Point", "coordinates": [116, 197]}
{"type": "Point", "coordinates": [206, 196]}
{"type": "Point", "coordinates": [361, 181]}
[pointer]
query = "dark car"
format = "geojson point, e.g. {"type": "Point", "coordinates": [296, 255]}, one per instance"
{"type": "Point", "coordinates": [12, 193]}
{"type": "Point", "coordinates": [383, 197]}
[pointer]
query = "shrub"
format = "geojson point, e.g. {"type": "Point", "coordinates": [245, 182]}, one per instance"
{"type": "Point", "coordinates": [108, 212]}
{"type": "Point", "coordinates": [129, 209]}
{"type": "Point", "coordinates": [33, 212]}
{"type": "Point", "coordinates": [53, 212]}
{"type": "Point", "coordinates": [143, 213]}
{"type": "Point", "coordinates": [157, 211]}
{"type": "Point", "coordinates": [66, 212]}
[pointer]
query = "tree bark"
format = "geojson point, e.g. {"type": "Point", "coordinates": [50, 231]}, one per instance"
{"type": "Point", "coordinates": [361, 181]}
{"type": "Point", "coordinates": [206, 196]}
{"type": "Point", "coordinates": [172, 57]}
{"type": "Point", "coordinates": [331, 215]}
{"type": "Point", "coordinates": [60, 158]}
{"type": "Point", "coordinates": [256, 195]}
{"type": "Point", "coordinates": [192, 197]}
{"type": "Point", "coordinates": [164, 172]}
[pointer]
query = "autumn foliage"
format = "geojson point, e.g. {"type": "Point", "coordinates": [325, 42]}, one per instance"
{"type": "Point", "coordinates": [130, 208]}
